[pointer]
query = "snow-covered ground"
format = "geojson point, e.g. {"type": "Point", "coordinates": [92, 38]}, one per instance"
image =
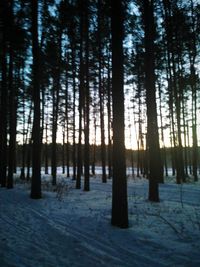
{"type": "Point", "coordinates": [70, 227]}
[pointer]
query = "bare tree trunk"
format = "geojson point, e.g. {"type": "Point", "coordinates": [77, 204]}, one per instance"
{"type": "Point", "coordinates": [101, 97]}
{"type": "Point", "coordinates": [174, 94]}
{"type": "Point", "coordinates": [86, 104]}
{"type": "Point", "coordinates": [67, 121]}
{"type": "Point", "coordinates": [95, 133]}
{"type": "Point", "coordinates": [12, 105]}
{"type": "Point", "coordinates": [28, 160]}
{"type": "Point", "coordinates": [180, 175]}
{"type": "Point", "coordinates": [24, 145]}
{"type": "Point", "coordinates": [109, 124]}
{"type": "Point", "coordinates": [56, 101]}
{"type": "Point", "coordinates": [119, 186]}
{"type": "Point", "coordinates": [154, 158]}
{"type": "Point", "coordinates": [3, 114]}
{"type": "Point", "coordinates": [36, 147]}
{"type": "Point", "coordinates": [164, 159]}
{"type": "Point", "coordinates": [74, 158]}
{"type": "Point", "coordinates": [192, 57]}
{"type": "Point", "coordinates": [81, 101]}
{"type": "Point", "coordinates": [46, 149]}
{"type": "Point", "coordinates": [63, 150]}
{"type": "Point", "coordinates": [54, 133]}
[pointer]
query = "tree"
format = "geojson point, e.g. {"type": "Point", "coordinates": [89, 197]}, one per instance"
{"type": "Point", "coordinates": [174, 53]}
{"type": "Point", "coordinates": [193, 81]}
{"type": "Point", "coordinates": [119, 186]}
{"type": "Point", "coordinates": [3, 95]}
{"type": "Point", "coordinates": [12, 97]}
{"type": "Point", "coordinates": [81, 96]}
{"type": "Point", "coordinates": [55, 96]}
{"type": "Point", "coordinates": [86, 103]}
{"type": "Point", "coordinates": [154, 157]}
{"type": "Point", "coordinates": [36, 135]}
{"type": "Point", "coordinates": [101, 92]}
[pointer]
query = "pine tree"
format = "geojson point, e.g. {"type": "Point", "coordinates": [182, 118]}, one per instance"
{"type": "Point", "coordinates": [86, 103]}
{"type": "Point", "coordinates": [36, 137]}
{"type": "Point", "coordinates": [119, 186]}
{"type": "Point", "coordinates": [154, 158]}
{"type": "Point", "coordinates": [3, 94]}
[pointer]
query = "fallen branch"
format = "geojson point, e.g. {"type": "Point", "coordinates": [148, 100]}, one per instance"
{"type": "Point", "coordinates": [168, 223]}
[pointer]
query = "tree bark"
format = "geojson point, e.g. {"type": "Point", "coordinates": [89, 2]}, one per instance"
{"type": "Point", "coordinates": [12, 104]}
{"type": "Point", "coordinates": [154, 158]}
{"type": "Point", "coordinates": [81, 100]}
{"type": "Point", "coordinates": [4, 95]}
{"type": "Point", "coordinates": [101, 97]}
{"type": "Point", "coordinates": [86, 103]}
{"type": "Point", "coordinates": [119, 185]}
{"type": "Point", "coordinates": [36, 137]}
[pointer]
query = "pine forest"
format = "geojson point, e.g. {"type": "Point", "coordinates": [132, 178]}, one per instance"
{"type": "Point", "coordinates": [106, 90]}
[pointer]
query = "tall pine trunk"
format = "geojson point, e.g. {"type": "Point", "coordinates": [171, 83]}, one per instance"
{"type": "Point", "coordinates": [101, 96]}
{"type": "Point", "coordinates": [54, 131]}
{"type": "Point", "coordinates": [3, 104]}
{"type": "Point", "coordinates": [192, 57]}
{"type": "Point", "coordinates": [67, 119]}
{"type": "Point", "coordinates": [119, 185]}
{"type": "Point", "coordinates": [86, 102]}
{"type": "Point", "coordinates": [74, 158]}
{"type": "Point", "coordinates": [109, 123]}
{"type": "Point", "coordinates": [12, 104]}
{"type": "Point", "coordinates": [36, 136]}
{"type": "Point", "coordinates": [81, 101]}
{"type": "Point", "coordinates": [154, 157]}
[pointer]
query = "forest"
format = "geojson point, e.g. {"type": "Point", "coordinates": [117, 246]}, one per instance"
{"type": "Point", "coordinates": [99, 143]}
{"type": "Point", "coordinates": [99, 83]}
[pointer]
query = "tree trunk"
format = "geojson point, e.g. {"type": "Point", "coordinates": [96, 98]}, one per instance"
{"type": "Point", "coordinates": [81, 101]}
{"type": "Point", "coordinates": [46, 150]}
{"type": "Point", "coordinates": [54, 132]}
{"type": "Point", "coordinates": [109, 124]}
{"type": "Point", "coordinates": [24, 145]}
{"type": "Point", "coordinates": [192, 57]}
{"type": "Point", "coordinates": [164, 159]}
{"type": "Point", "coordinates": [28, 160]}
{"type": "Point", "coordinates": [101, 97]}
{"type": "Point", "coordinates": [67, 120]}
{"type": "Point", "coordinates": [86, 104]}
{"type": "Point", "coordinates": [3, 114]}
{"type": "Point", "coordinates": [94, 144]}
{"type": "Point", "coordinates": [12, 105]}
{"type": "Point", "coordinates": [175, 92]}
{"type": "Point", "coordinates": [63, 150]}
{"type": "Point", "coordinates": [74, 158]}
{"type": "Point", "coordinates": [119, 185]}
{"type": "Point", "coordinates": [36, 137]}
{"type": "Point", "coordinates": [56, 100]}
{"type": "Point", "coordinates": [154, 158]}
{"type": "Point", "coordinates": [180, 174]}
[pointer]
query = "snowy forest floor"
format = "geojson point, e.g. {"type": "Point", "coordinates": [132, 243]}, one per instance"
{"type": "Point", "coordinates": [70, 227]}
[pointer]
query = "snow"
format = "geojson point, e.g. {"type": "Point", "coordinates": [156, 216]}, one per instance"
{"type": "Point", "coordinates": [70, 227]}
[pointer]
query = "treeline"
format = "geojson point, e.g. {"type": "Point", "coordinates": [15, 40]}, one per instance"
{"type": "Point", "coordinates": [136, 160]}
